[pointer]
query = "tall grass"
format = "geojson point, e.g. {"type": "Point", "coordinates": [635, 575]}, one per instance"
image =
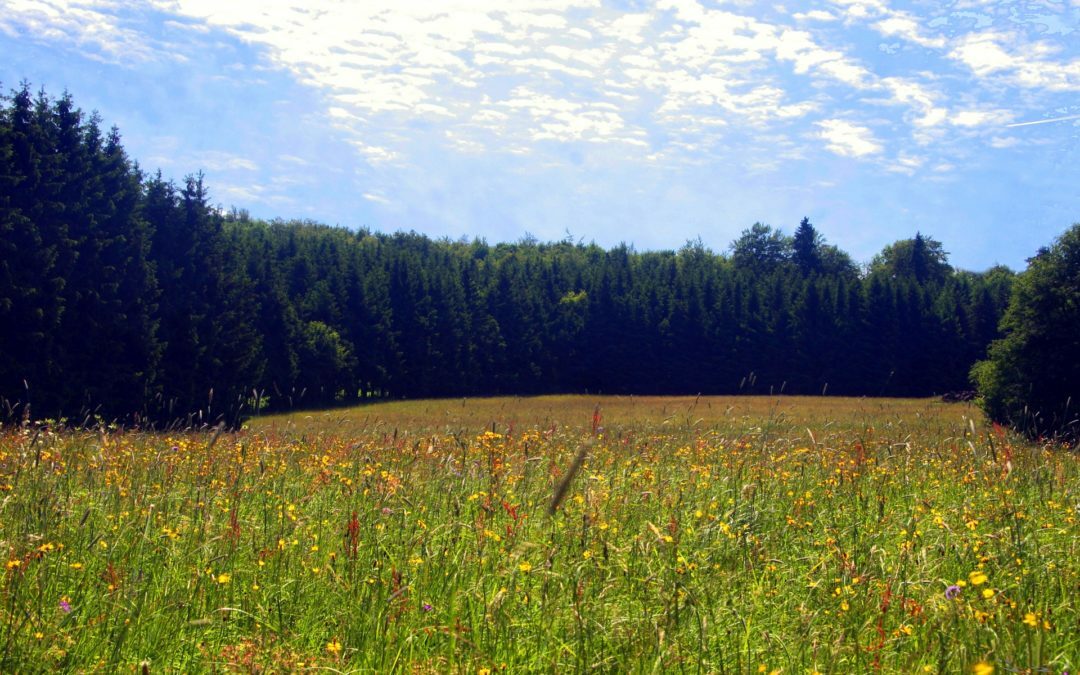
{"type": "Point", "coordinates": [704, 535]}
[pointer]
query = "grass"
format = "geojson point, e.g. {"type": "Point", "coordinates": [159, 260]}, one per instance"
{"type": "Point", "coordinates": [750, 534]}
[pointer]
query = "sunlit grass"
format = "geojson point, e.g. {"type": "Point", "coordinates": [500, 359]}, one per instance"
{"type": "Point", "coordinates": [712, 535]}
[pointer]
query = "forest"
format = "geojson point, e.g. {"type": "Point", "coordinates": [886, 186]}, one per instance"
{"type": "Point", "coordinates": [126, 296]}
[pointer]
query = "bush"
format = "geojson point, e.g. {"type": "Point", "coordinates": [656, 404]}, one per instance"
{"type": "Point", "coordinates": [1031, 375]}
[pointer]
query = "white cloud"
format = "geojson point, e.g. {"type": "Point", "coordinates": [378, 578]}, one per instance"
{"type": "Point", "coordinates": [99, 34]}
{"type": "Point", "coordinates": [814, 15]}
{"type": "Point", "coordinates": [978, 118]}
{"type": "Point", "coordinates": [378, 199]}
{"type": "Point", "coordinates": [906, 164]}
{"type": "Point", "coordinates": [890, 22]}
{"type": "Point", "coordinates": [629, 27]}
{"type": "Point", "coordinates": [847, 139]}
{"type": "Point", "coordinates": [373, 153]}
{"type": "Point", "coordinates": [681, 77]}
{"type": "Point", "coordinates": [919, 98]}
{"type": "Point", "coordinates": [1028, 65]}
{"type": "Point", "coordinates": [983, 54]}
{"type": "Point", "coordinates": [904, 26]}
{"type": "Point", "coordinates": [222, 161]}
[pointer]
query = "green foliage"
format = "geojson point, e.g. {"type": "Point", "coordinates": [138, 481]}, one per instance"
{"type": "Point", "coordinates": [805, 248]}
{"type": "Point", "coordinates": [921, 259]}
{"type": "Point", "coordinates": [129, 296]}
{"type": "Point", "coordinates": [1030, 378]}
{"type": "Point", "coordinates": [324, 358]}
{"type": "Point", "coordinates": [760, 249]}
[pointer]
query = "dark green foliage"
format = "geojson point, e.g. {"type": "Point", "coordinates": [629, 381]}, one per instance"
{"type": "Point", "coordinates": [761, 249]}
{"type": "Point", "coordinates": [124, 295]}
{"type": "Point", "coordinates": [1030, 378]}
{"type": "Point", "coordinates": [77, 292]}
{"type": "Point", "coordinates": [921, 259]}
{"type": "Point", "coordinates": [806, 247]}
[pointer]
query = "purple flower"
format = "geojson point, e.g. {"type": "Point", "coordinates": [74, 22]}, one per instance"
{"type": "Point", "coordinates": [427, 607]}
{"type": "Point", "coordinates": [65, 606]}
{"type": "Point", "coordinates": [952, 591]}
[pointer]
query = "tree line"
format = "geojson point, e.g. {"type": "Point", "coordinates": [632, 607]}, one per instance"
{"type": "Point", "coordinates": [125, 295]}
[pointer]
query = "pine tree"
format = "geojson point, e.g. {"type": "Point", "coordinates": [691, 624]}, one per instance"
{"type": "Point", "coordinates": [805, 246]}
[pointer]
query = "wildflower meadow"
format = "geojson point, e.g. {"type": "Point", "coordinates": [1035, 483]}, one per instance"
{"type": "Point", "coordinates": [552, 534]}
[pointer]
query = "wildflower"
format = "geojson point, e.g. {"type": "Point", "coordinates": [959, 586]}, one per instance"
{"type": "Point", "coordinates": [12, 564]}
{"type": "Point", "coordinates": [224, 578]}
{"type": "Point", "coordinates": [988, 593]}
{"type": "Point", "coordinates": [525, 567]}
{"type": "Point", "coordinates": [982, 668]}
{"type": "Point", "coordinates": [65, 606]}
{"type": "Point", "coordinates": [977, 578]}
{"type": "Point", "coordinates": [1031, 619]}
{"type": "Point", "coordinates": [951, 592]}
{"type": "Point", "coordinates": [334, 647]}
{"type": "Point", "coordinates": [427, 607]}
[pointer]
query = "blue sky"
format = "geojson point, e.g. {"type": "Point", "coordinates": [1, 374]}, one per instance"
{"type": "Point", "coordinates": [611, 120]}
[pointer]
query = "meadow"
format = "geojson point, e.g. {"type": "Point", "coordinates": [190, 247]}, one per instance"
{"type": "Point", "coordinates": [551, 534]}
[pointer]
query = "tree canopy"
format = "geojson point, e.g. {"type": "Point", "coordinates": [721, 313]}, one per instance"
{"type": "Point", "coordinates": [1031, 378]}
{"type": "Point", "coordinates": [127, 295]}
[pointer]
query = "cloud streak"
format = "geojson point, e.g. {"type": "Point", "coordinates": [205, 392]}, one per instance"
{"type": "Point", "coordinates": [1052, 120]}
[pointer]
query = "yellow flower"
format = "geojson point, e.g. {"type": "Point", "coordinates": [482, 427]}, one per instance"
{"type": "Point", "coordinates": [525, 566]}
{"type": "Point", "coordinates": [982, 668]}
{"type": "Point", "coordinates": [977, 578]}
{"type": "Point", "coordinates": [13, 563]}
{"type": "Point", "coordinates": [334, 647]}
{"type": "Point", "coordinates": [223, 578]}
{"type": "Point", "coordinates": [988, 593]}
{"type": "Point", "coordinates": [1031, 619]}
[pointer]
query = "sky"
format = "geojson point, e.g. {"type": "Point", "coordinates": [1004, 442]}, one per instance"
{"type": "Point", "coordinates": [607, 121]}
